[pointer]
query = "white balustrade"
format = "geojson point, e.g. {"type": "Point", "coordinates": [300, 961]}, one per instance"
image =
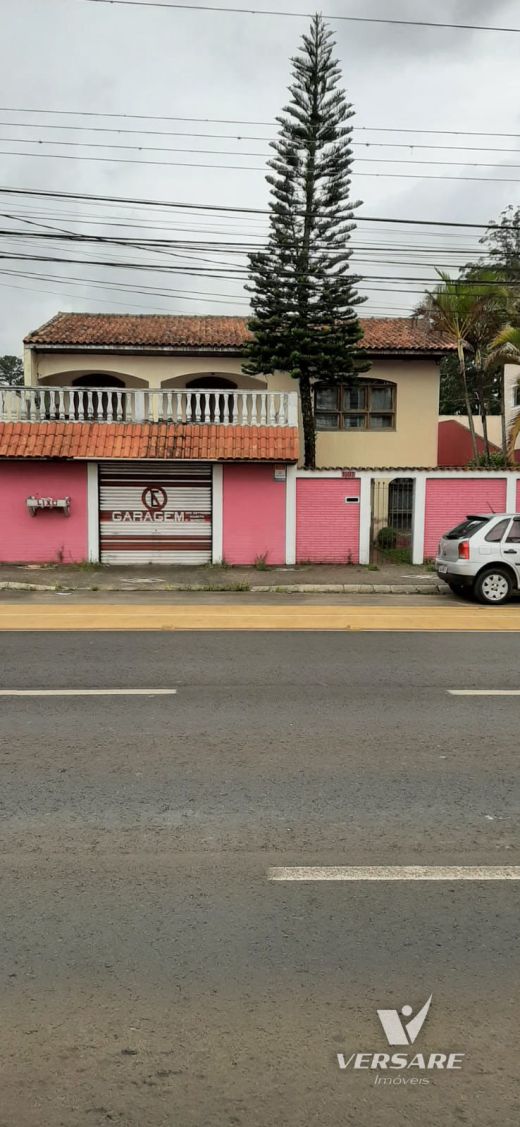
{"type": "Point", "coordinates": [116, 405]}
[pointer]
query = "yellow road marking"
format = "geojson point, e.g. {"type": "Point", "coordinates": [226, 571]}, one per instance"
{"type": "Point", "coordinates": [107, 616]}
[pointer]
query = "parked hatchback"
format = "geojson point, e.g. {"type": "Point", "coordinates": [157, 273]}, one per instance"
{"type": "Point", "coordinates": [481, 556]}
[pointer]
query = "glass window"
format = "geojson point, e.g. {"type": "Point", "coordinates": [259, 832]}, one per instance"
{"type": "Point", "coordinates": [360, 405]}
{"type": "Point", "coordinates": [496, 533]}
{"type": "Point", "coordinates": [467, 527]}
{"type": "Point", "coordinates": [327, 420]}
{"type": "Point", "coordinates": [354, 398]}
{"type": "Point", "coordinates": [326, 398]}
{"type": "Point", "coordinates": [381, 398]}
{"type": "Point", "coordinates": [514, 533]}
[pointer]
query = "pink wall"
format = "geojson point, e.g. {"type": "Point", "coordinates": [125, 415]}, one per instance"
{"type": "Point", "coordinates": [50, 536]}
{"type": "Point", "coordinates": [254, 515]}
{"type": "Point", "coordinates": [449, 500]}
{"type": "Point", "coordinates": [327, 529]}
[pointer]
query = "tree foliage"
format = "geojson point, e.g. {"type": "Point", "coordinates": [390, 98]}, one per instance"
{"type": "Point", "coordinates": [470, 310]}
{"type": "Point", "coordinates": [11, 371]}
{"type": "Point", "coordinates": [451, 394]}
{"type": "Point", "coordinates": [502, 244]}
{"type": "Point", "coordinates": [303, 295]}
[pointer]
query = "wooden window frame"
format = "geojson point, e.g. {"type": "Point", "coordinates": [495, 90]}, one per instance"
{"type": "Point", "coordinates": [367, 411]}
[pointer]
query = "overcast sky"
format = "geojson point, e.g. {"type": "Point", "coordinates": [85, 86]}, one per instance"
{"type": "Point", "coordinates": [107, 59]}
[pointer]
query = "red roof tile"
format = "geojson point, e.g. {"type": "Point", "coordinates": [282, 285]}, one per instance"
{"type": "Point", "coordinates": [148, 440]}
{"type": "Point", "coordinates": [211, 334]}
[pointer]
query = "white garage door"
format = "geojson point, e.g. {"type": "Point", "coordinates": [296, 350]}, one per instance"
{"type": "Point", "coordinates": [155, 513]}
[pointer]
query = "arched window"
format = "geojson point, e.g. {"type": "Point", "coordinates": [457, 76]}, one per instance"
{"type": "Point", "coordinates": [102, 403]}
{"type": "Point", "coordinates": [356, 405]}
{"type": "Point", "coordinates": [213, 406]}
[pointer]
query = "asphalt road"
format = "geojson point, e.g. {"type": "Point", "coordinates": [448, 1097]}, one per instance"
{"type": "Point", "coordinates": [152, 975]}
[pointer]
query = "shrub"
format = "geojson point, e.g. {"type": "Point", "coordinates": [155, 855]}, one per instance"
{"type": "Point", "coordinates": [386, 538]}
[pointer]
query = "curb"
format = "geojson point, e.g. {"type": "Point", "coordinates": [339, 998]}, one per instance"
{"type": "Point", "coordinates": [256, 589]}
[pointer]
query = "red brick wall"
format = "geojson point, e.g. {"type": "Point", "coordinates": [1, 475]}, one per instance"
{"type": "Point", "coordinates": [327, 529]}
{"type": "Point", "coordinates": [449, 500]}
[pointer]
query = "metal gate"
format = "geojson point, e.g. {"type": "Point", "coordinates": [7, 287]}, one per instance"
{"type": "Point", "coordinates": [392, 519]}
{"type": "Point", "coordinates": [155, 513]}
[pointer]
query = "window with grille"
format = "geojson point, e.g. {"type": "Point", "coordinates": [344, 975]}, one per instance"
{"type": "Point", "coordinates": [363, 405]}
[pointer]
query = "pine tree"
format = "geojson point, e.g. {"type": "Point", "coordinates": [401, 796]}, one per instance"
{"type": "Point", "coordinates": [303, 295]}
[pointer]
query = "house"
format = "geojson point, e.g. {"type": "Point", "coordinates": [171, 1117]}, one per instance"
{"type": "Point", "coordinates": [388, 419]}
{"type": "Point", "coordinates": [168, 452]}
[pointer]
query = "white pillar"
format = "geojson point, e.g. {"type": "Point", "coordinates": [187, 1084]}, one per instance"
{"type": "Point", "coordinates": [511, 481]}
{"type": "Point", "coordinates": [365, 518]}
{"type": "Point", "coordinates": [92, 512]}
{"type": "Point", "coordinates": [292, 408]}
{"type": "Point", "coordinates": [290, 515]}
{"type": "Point", "coordinates": [419, 516]}
{"type": "Point", "coordinates": [217, 515]}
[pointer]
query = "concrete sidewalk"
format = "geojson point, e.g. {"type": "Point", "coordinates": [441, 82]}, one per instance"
{"type": "Point", "coordinates": [401, 579]}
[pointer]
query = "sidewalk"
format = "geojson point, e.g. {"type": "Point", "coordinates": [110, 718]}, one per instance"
{"type": "Point", "coordinates": [403, 579]}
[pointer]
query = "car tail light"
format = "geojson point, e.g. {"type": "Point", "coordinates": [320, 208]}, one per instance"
{"type": "Point", "coordinates": [464, 550]}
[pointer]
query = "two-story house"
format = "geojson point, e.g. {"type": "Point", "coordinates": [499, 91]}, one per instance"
{"type": "Point", "coordinates": [173, 453]}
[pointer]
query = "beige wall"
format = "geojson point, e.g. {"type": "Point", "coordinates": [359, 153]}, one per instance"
{"type": "Point", "coordinates": [413, 443]}
{"type": "Point", "coordinates": [59, 368]}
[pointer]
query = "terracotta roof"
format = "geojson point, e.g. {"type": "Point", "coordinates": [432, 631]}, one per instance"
{"type": "Point", "coordinates": [214, 334]}
{"type": "Point", "coordinates": [148, 440]}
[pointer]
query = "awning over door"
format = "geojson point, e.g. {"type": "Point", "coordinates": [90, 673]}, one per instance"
{"type": "Point", "coordinates": [155, 512]}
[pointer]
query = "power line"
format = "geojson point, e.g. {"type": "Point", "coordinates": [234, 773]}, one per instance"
{"type": "Point", "coordinates": [120, 287]}
{"type": "Point", "coordinates": [32, 238]}
{"type": "Point", "coordinates": [233, 209]}
{"type": "Point", "coordinates": [199, 272]}
{"type": "Point", "coordinates": [254, 168]}
{"type": "Point", "coordinates": [229, 137]}
{"type": "Point", "coordinates": [302, 15]}
{"type": "Point", "coordinates": [241, 121]}
{"type": "Point", "coordinates": [229, 153]}
{"type": "Point", "coordinates": [179, 295]}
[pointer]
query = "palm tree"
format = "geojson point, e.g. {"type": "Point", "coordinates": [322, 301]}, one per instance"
{"type": "Point", "coordinates": [470, 312]}
{"type": "Point", "coordinates": [505, 349]}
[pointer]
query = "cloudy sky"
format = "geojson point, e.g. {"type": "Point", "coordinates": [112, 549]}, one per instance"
{"type": "Point", "coordinates": [170, 66]}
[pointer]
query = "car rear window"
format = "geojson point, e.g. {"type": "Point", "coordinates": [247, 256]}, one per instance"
{"type": "Point", "coordinates": [467, 528]}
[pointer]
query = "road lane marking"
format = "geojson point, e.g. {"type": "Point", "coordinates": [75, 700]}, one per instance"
{"type": "Point", "coordinates": [117, 617]}
{"type": "Point", "coordinates": [394, 872]}
{"type": "Point", "coordinates": [484, 692]}
{"type": "Point", "coordinates": [87, 692]}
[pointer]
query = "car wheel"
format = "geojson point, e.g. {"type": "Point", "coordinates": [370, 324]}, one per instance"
{"type": "Point", "coordinates": [494, 586]}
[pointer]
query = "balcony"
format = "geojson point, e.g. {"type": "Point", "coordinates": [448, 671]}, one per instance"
{"type": "Point", "coordinates": [121, 405]}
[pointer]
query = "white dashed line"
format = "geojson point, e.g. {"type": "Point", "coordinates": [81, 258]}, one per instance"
{"type": "Point", "coordinates": [87, 692]}
{"type": "Point", "coordinates": [484, 692]}
{"type": "Point", "coordinates": [395, 872]}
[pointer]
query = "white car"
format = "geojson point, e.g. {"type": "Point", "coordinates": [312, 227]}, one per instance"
{"type": "Point", "coordinates": [481, 557]}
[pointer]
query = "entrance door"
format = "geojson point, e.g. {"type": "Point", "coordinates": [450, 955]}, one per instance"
{"type": "Point", "coordinates": [155, 513]}
{"type": "Point", "coordinates": [392, 520]}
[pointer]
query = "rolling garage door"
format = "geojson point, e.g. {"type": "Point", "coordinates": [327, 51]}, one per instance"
{"type": "Point", "coordinates": [155, 513]}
